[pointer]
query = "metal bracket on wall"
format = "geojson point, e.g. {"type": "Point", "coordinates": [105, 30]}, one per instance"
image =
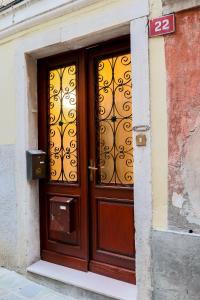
{"type": "Point", "coordinates": [141, 128]}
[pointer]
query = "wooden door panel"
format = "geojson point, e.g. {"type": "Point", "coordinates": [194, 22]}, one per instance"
{"type": "Point", "coordinates": [62, 119]}
{"type": "Point", "coordinates": [65, 260]}
{"type": "Point", "coordinates": [115, 227]}
{"type": "Point", "coordinates": [112, 271]}
{"type": "Point", "coordinates": [114, 260]}
{"type": "Point", "coordinates": [113, 233]}
{"type": "Point", "coordinates": [113, 192]}
{"type": "Point", "coordinates": [111, 154]}
{"type": "Point", "coordinates": [53, 188]}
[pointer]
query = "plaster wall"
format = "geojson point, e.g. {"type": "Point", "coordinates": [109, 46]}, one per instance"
{"type": "Point", "coordinates": [159, 124]}
{"type": "Point", "coordinates": [176, 261]}
{"type": "Point", "coordinates": [170, 6]}
{"type": "Point", "coordinates": [7, 99]}
{"type": "Point", "coordinates": [183, 92]}
{"type": "Point", "coordinates": [175, 254]}
{"type": "Point", "coordinates": [8, 206]}
{"type": "Point", "coordinates": [174, 73]}
{"type": "Point", "coordinates": [8, 203]}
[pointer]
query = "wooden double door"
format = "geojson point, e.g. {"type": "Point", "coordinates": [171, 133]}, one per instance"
{"type": "Point", "coordinates": [85, 127]}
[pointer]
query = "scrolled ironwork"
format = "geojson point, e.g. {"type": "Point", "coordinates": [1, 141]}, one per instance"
{"type": "Point", "coordinates": [114, 120]}
{"type": "Point", "coordinates": [63, 125]}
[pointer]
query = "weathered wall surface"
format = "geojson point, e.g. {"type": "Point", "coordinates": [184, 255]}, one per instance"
{"type": "Point", "coordinates": [175, 254]}
{"type": "Point", "coordinates": [170, 6]}
{"type": "Point", "coordinates": [8, 206]}
{"type": "Point", "coordinates": [176, 260]}
{"type": "Point", "coordinates": [8, 203]}
{"type": "Point", "coordinates": [183, 93]}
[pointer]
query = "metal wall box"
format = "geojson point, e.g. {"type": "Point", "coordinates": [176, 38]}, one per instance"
{"type": "Point", "coordinates": [36, 164]}
{"type": "Point", "coordinates": [62, 222]}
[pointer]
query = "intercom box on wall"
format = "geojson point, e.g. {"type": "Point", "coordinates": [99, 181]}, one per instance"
{"type": "Point", "coordinates": [36, 164]}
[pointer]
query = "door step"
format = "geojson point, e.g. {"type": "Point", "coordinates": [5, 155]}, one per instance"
{"type": "Point", "coordinates": [88, 281]}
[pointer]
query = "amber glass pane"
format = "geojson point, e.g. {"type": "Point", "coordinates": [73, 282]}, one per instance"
{"type": "Point", "coordinates": [114, 120]}
{"type": "Point", "coordinates": [62, 124]}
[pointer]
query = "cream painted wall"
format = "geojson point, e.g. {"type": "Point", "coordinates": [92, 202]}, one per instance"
{"type": "Point", "coordinates": [158, 124]}
{"type": "Point", "coordinates": [7, 98]}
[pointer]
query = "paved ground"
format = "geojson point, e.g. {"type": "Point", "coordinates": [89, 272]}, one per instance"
{"type": "Point", "coordinates": [15, 287]}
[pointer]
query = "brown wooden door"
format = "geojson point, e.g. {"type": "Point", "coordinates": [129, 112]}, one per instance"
{"type": "Point", "coordinates": [62, 134]}
{"type": "Point", "coordinates": [85, 126]}
{"type": "Point", "coordinates": [111, 162]}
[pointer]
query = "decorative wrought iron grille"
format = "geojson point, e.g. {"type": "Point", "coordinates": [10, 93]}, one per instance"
{"type": "Point", "coordinates": [114, 120]}
{"type": "Point", "coordinates": [63, 124]}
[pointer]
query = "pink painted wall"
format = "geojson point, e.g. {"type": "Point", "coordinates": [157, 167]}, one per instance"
{"type": "Point", "coordinates": [183, 96]}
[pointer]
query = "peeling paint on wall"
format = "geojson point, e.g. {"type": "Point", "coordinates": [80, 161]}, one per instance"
{"type": "Point", "coordinates": [178, 200]}
{"type": "Point", "coordinates": [183, 93]}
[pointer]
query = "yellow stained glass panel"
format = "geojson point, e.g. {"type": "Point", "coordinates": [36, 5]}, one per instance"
{"type": "Point", "coordinates": [63, 124]}
{"type": "Point", "coordinates": [114, 105]}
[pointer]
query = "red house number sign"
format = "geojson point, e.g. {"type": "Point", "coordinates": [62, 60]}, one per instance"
{"type": "Point", "coordinates": [161, 26]}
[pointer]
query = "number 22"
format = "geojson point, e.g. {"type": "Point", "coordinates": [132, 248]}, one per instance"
{"type": "Point", "coordinates": [162, 25]}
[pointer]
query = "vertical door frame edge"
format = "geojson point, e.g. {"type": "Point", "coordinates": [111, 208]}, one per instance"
{"type": "Point", "coordinates": [142, 156]}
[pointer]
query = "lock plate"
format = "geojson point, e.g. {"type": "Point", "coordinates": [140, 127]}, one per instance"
{"type": "Point", "coordinates": [141, 140]}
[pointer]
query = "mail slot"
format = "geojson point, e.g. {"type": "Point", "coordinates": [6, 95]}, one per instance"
{"type": "Point", "coordinates": [62, 215]}
{"type": "Point", "coordinates": [36, 164]}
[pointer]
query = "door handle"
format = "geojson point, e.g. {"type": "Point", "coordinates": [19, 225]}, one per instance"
{"type": "Point", "coordinates": [92, 169]}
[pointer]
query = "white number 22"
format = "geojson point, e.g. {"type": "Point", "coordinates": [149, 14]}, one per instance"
{"type": "Point", "coordinates": [162, 25]}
